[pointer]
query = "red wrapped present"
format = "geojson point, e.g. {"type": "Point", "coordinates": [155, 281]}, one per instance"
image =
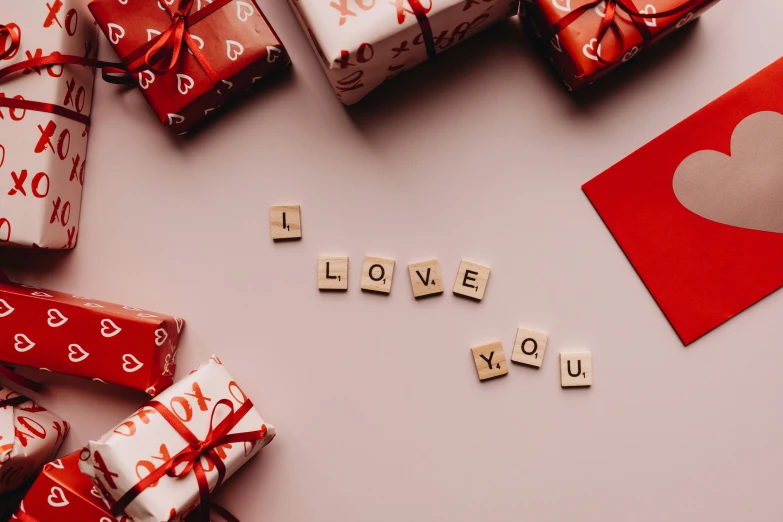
{"type": "Point", "coordinates": [190, 57]}
{"type": "Point", "coordinates": [29, 437]}
{"type": "Point", "coordinates": [163, 461]}
{"type": "Point", "coordinates": [44, 117]}
{"type": "Point", "coordinates": [585, 39]}
{"type": "Point", "coordinates": [63, 493]}
{"type": "Point", "coordinates": [89, 338]}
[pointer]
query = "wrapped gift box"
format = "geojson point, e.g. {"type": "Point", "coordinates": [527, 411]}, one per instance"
{"type": "Point", "coordinates": [29, 437]}
{"type": "Point", "coordinates": [63, 493]}
{"type": "Point", "coordinates": [579, 54]}
{"type": "Point", "coordinates": [42, 155]}
{"type": "Point", "coordinates": [363, 43]}
{"type": "Point", "coordinates": [203, 428]}
{"type": "Point", "coordinates": [228, 46]}
{"type": "Point", "coordinates": [80, 336]}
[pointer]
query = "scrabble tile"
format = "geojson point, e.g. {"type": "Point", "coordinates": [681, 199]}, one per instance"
{"type": "Point", "coordinates": [576, 369]}
{"type": "Point", "coordinates": [285, 222]}
{"type": "Point", "coordinates": [425, 278]}
{"type": "Point", "coordinates": [332, 273]}
{"type": "Point", "coordinates": [471, 280]}
{"type": "Point", "coordinates": [377, 274]}
{"type": "Point", "coordinates": [529, 347]}
{"type": "Point", "coordinates": [490, 360]}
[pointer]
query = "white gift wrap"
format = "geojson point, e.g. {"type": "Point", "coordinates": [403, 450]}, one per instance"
{"type": "Point", "coordinates": [136, 446]}
{"type": "Point", "coordinates": [42, 155]}
{"type": "Point", "coordinates": [29, 438]}
{"type": "Point", "coordinates": [362, 43]}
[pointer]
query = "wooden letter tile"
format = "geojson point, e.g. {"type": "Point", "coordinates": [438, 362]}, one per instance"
{"type": "Point", "coordinates": [425, 278]}
{"type": "Point", "coordinates": [471, 280]}
{"type": "Point", "coordinates": [332, 273]}
{"type": "Point", "coordinates": [529, 347]}
{"type": "Point", "coordinates": [490, 360]}
{"type": "Point", "coordinates": [285, 222]}
{"type": "Point", "coordinates": [576, 369]}
{"type": "Point", "coordinates": [377, 274]}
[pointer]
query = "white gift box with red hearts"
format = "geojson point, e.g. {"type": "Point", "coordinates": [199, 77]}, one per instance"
{"type": "Point", "coordinates": [29, 438]}
{"type": "Point", "coordinates": [146, 441]}
{"type": "Point", "coordinates": [42, 155]}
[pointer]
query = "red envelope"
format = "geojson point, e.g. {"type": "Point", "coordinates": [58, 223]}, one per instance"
{"type": "Point", "coordinates": [699, 210]}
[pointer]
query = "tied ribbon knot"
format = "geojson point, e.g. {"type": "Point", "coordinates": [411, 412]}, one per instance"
{"type": "Point", "coordinates": [162, 53]}
{"type": "Point", "coordinates": [191, 456]}
{"type": "Point", "coordinates": [609, 22]}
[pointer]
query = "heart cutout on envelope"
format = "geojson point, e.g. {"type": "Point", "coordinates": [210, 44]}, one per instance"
{"type": "Point", "coordinates": [745, 189]}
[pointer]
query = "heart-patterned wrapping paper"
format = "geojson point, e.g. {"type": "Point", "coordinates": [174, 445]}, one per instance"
{"type": "Point", "coordinates": [81, 336]}
{"type": "Point", "coordinates": [42, 155]}
{"type": "Point", "coordinates": [62, 492]}
{"type": "Point", "coordinates": [363, 43]}
{"type": "Point", "coordinates": [236, 39]}
{"type": "Point", "coordinates": [29, 437]}
{"type": "Point", "coordinates": [145, 441]}
{"type": "Point", "coordinates": [699, 210]}
{"type": "Point", "coordinates": [575, 51]}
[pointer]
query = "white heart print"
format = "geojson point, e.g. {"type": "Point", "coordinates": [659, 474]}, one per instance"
{"type": "Point", "coordinates": [94, 305]}
{"type": "Point", "coordinates": [5, 308]}
{"type": "Point", "coordinates": [76, 353]}
{"type": "Point", "coordinates": [23, 343]}
{"type": "Point", "coordinates": [649, 9]}
{"type": "Point", "coordinates": [184, 83]}
{"type": "Point", "coordinates": [244, 11]}
{"type": "Point", "coordinates": [198, 40]}
{"type": "Point", "coordinates": [131, 364]}
{"type": "Point", "coordinates": [687, 18]}
{"type": "Point", "coordinates": [160, 336]}
{"type": "Point", "coordinates": [109, 328]}
{"type": "Point", "coordinates": [179, 322]}
{"type": "Point", "coordinates": [272, 53]}
{"type": "Point", "coordinates": [152, 33]}
{"type": "Point", "coordinates": [131, 308]}
{"type": "Point", "coordinates": [98, 380]}
{"type": "Point", "coordinates": [41, 294]}
{"type": "Point", "coordinates": [116, 33]}
{"type": "Point", "coordinates": [234, 50]}
{"type": "Point", "coordinates": [556, 43]}
{"type": "Point", "coordinates": [563, 5]}
{"type": "Point", "coordinates": [630, 54]}
{"type": "Point", "coordinates": [95, 493]}
{"type": "Point", "coordinates": [57, 497]}
{"type": "Point", "coordinates": [175, 118]}
{"type": "Point", "coordinates": [146, 315]}
{"type": "Point", "coordinates": [600, 9]}
{"type": "Point", "coordinates": [57, 464]}
{"type": "Point", "coordinates": [590, 50]}
{"type": "Point", "coordinates": [56, 318]}
{"type": "Point", "coordinates": [145, 79]}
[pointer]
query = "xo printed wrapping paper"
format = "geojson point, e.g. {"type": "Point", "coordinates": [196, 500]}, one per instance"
{"type": "Point", "coordinates": [29, 437]}
{"type": "Point", "coordinates": [63, 493]}
{"type": "Point", "coordinates": [146, 441]}
{"type": "Point", "coordinates": [362, 43]}
{"type": "Point", "coordinates": [80, 336]}
{"type": "Point", "coordinates": [699, 210]}
{"type": "Point", "coordinates": [575, 51]}
{"type": "Point", "coordinates": [42, 155]}
{"type": "Point", "coordinates": [236, 40]}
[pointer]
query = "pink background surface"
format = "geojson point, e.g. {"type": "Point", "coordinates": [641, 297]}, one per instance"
{"type": "Point", "coordinates": [479, 155]}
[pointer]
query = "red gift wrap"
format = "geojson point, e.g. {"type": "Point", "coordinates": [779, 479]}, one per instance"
{"type": "Point", "coordinates": [190, 57]}
{"type": "Point", "coordinates": [81, 336]}
{"type": "Point", "coordinates": [63, 493]}
{"type": "Point", "coordinates": [586, 39]}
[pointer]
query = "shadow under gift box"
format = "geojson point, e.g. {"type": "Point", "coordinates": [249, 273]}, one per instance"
{"type": "Point", "coordinates": [578, 53]}
{"type": "Point", "coordinates": [228, 45]}
{"type": "Point", "coordinates": [29, 437]}
{"type": "Point", "coordinates": [80, 336]}
{"type": "Point", "coordinates": [361, 44]}
{"type": "Point", "coordinates": [42, 155]}
{"type": "Point", "coordinates": [204, 420]}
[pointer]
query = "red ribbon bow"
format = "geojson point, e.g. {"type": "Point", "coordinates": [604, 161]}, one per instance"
{"type": "Point", "coordinates": [191, 456]}
{"type": "Point", "coordinates": [608, 22]}
{"type": "Point", "coordinates": [162, 53]}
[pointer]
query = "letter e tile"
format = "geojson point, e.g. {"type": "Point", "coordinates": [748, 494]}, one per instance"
{"type": "Point", "coordinates": [471, 280]}
{"type": "Point", "coordinates": [490, 360]}
{"type": "Point", "coordinates": [576, 369]}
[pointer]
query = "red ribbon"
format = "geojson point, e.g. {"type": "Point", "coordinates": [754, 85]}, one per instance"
{"type": "Point", "coordinates": [426, 28]}
{"type": "Point", "coordinates": [191, 456]}
{"type": "Point", "coordinates": [162, 53]}
{"type": "Point", "coordinates": [53, 59]}
{"type": "Point", "coordinates": [13, 401]}
{"type": "Point", "coordinates": [608, 22]}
